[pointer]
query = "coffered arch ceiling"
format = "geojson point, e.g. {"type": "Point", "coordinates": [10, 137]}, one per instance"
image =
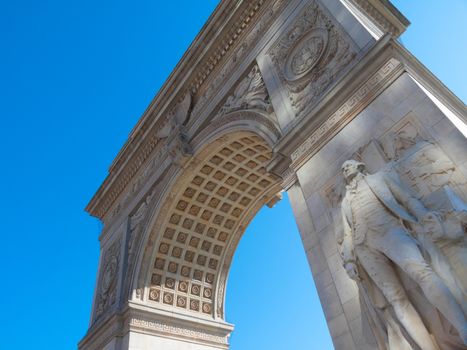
{"type": "Point", "coordinates": [195, 231]}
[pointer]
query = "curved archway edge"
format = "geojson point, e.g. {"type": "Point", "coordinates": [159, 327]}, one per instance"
{"type": "Point", "coordinates": [234, 128]}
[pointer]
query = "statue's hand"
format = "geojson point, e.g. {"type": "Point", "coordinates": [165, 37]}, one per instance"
{"type": "Point", "coordinates": [352, 271]}
{"type": "Point", "coordinates": [432, 224]}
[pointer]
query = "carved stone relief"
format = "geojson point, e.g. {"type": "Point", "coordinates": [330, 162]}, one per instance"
{"type": "Point", "coordinates": [250, 93]}
{"type": "Point", "coordinates": [137, 223]}
{"type": "Point", "coordinates": [139, 323]}
{"type": "Point", "coordinates": [403, 237]}
{"type": "Point", "coordinates": [309, 57]}
{"type": "Point", "coordinates": [107, 289]}
{"type": "Point", "coordinates": [239, 53]}
{"type": "Point", "coordinates": [424, 166]}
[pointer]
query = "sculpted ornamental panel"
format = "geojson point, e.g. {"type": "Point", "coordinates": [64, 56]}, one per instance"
{"type": "Point", "coordinates": [240, 50]}
{"type": "Point", "coordinates": [309, 57]}
{"type": "Point", "coordinates": [250, 93]}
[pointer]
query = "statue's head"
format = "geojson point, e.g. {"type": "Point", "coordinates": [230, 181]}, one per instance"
{"type": "Point", "coordinates": [350, 168]}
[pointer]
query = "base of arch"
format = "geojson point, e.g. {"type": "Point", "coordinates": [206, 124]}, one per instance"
{"type": "Point", "coordinates": [142, 327]}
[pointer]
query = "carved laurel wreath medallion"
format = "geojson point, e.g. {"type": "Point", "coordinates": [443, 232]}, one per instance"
{"type": "Point", "coordinates": [306, 54]}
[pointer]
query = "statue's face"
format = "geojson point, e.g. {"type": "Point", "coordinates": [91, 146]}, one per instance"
{"type": "Point", "coordinates": [350, 169]}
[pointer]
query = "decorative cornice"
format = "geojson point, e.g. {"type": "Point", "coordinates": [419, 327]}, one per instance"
{"type": "Point", "coordinates": [114, 185]}
{"type": "Point", "coordinates": [387, 18]}
{"type": "Point", "coordinates": [245, 44]}
{"type": "Point", "coordinates": [225, 44]}
{"type": "Point", "coordinates": [238, 17]}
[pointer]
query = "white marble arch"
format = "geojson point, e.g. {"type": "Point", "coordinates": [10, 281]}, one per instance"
{"type": "Point", "coordinates": [255, 133]}
{"type": "Point", "coordinates": [226, 133]}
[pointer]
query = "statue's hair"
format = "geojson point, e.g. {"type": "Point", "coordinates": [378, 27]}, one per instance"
{"type": "Point", "coordinates": [360, 165]}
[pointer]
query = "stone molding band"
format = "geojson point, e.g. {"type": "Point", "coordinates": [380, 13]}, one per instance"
{"type": "Point", "coordinates": [183, 333]}
{"type": "Point", "coordinates": [388, 20]}
{"type": "Point", "coordinates": [138, 320]}
{"type": "Point", "coordinates": [359, 100]}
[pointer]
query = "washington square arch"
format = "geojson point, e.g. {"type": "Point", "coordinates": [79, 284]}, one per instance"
{"type": "Point", "coordinates": [317, 98]}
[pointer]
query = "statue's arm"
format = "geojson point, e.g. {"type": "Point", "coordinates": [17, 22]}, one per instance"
{"type": "Point", "coordinates": [404, 197]}
{"type": "Point", "coordinates": [348, 256]}
{"type": "Point", "coordinates": [347, 243]}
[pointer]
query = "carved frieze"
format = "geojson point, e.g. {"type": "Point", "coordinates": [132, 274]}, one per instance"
{"type": "Point", "coordinates": [384, 24]}
{"type": "Point", "coordinates": [139, 323]}
{"type": "Point", "coordinates": [239, 53]}
{"type": "Point", "coordinates": [347, 111]}
{"type": "Point", "coordinates": [309, 57]}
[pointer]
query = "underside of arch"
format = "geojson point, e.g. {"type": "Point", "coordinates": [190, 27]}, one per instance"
{"type": "Point", "coordinates": [196, 230]}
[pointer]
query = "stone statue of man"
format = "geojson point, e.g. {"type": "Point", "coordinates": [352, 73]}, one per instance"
{"type": "Point", "coordinates": [376, 213]}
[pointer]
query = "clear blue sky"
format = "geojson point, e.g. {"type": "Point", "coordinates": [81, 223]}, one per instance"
{"type": "Point", "coordinates": [75, 76]}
